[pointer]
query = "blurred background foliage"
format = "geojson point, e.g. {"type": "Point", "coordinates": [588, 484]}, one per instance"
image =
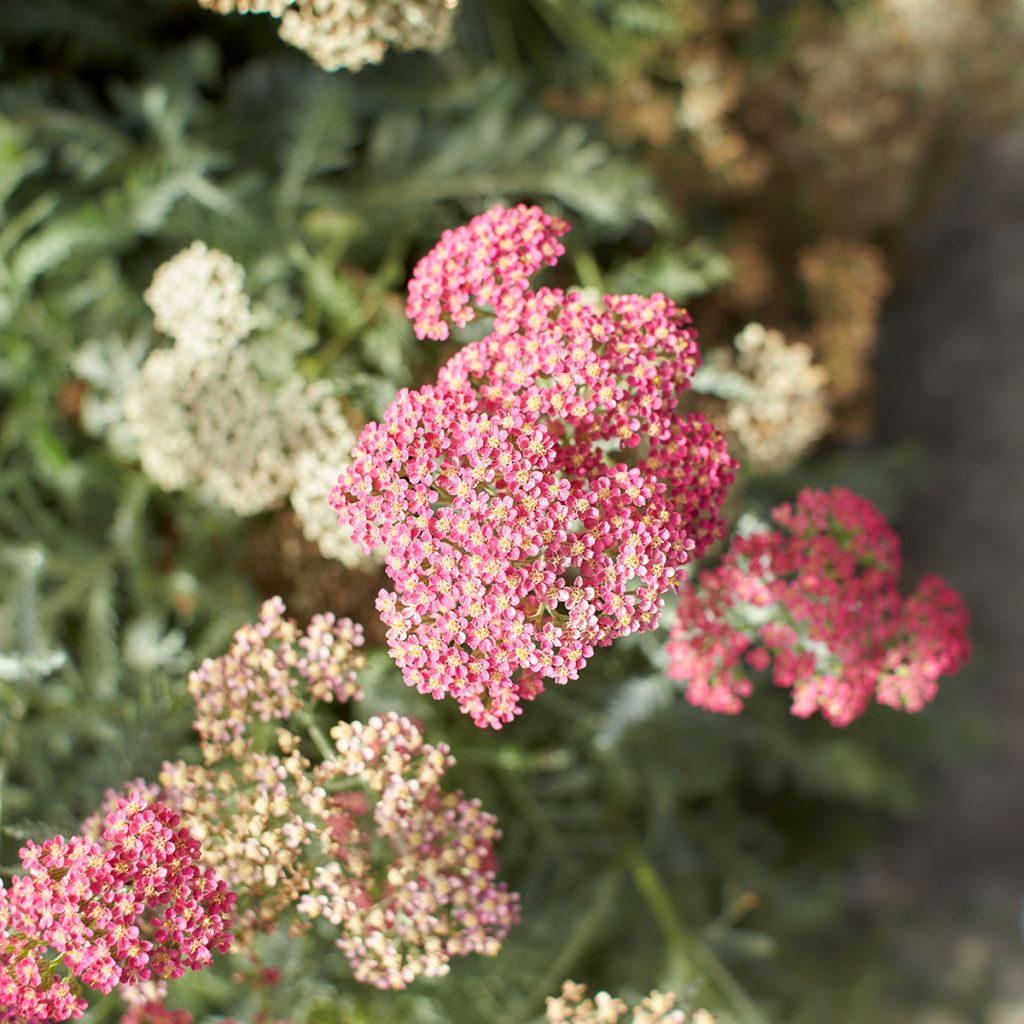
{"type": "Point", "coordinates": [758, 160]}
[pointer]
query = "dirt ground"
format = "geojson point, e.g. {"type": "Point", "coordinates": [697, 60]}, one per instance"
{"type": "Point", "coordinates": [952, 376]}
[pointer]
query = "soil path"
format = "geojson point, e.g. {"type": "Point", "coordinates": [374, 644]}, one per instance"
{"type": "Point", "coordinates": [952, 372]}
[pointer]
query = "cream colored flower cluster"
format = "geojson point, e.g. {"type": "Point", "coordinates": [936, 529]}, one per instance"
{"type": "Point", "coordinates": [785, 411]}
{"type": "Point", "coordinates": [363, 835]}
{"type": "Point", "coordinates": [874, 98]}
{"type": "Point", "coordinates": [574, 1007]}
{"type": "Point", "coordinates": [846, 281]}
{"type": "Point", "coordinates": [210, 423]}
{"type": "Point", "coordinates": [411, 876]}
{"type": "Point", "coordinates": [352, 33]}
{"type": "Point", "coordinates": [204, 416]}
{"type": "Point", "coordinates": [198, 298]}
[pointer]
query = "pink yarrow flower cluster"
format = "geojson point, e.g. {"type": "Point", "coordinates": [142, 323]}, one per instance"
{"type": "Point", "coordinates": [538, 501]}
{"type": "Point", "coordinates": [816, 604]}
{"type": "Point", "coordinates": [487, 262]}
{"type": "Point", "coordinates": [133, 906]}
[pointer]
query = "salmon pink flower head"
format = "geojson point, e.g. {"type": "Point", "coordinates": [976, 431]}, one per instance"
{"type": "Point", "coordinates": [128, 908]}
{"type": "Point", "coordinates": [538, 501]}
{"type": "Point", "coordinates": [816, 603]}
{"type": "Point", "coordinates": [487, 262]}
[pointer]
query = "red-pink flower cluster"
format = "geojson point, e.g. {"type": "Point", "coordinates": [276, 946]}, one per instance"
{"type": "Point", "coordinates": [487, 262]}
{"type": "Point", "coordinates": [131, 907]}
{"type": "Point", "coordinates": [540, 499]}
{"type": "Point", "coordinates": [817, 602]}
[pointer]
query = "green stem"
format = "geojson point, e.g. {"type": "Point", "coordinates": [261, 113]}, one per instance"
{"type": "Point", "coordinates": [317, 735]}
{"type": "Point", "coordinates": [686, 948]}
{"type": "Point", "coordinates": [583, 934]}
{"type": "Point", "coordinates": [588, 270]}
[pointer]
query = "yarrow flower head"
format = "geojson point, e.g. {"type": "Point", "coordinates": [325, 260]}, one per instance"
{"type": "Point", "coordinates": [816, 604]}
{"type": "Point", "coordinates": [205, 414]}
{"type": "Point", "coordinates": [574, 1007]}
{"type": "Point", "coordinates": [352, 33]}
{"type": "Point", "coordinates": [198, 298]}
{"type": "Point", "coordinates": [781, 409]}
{"type": "Point", "coordinates": [487, 262]}
{"type": "Point", "coordinates": [410, 871]}
{"type": "Point", "coordinates": [360, 832]}
{"type": "Point", "coordinates": [134, 905]}
{"type": "Point", "coordinates": [272, 670]}
{"type": "Point", "coordinates": [538, 501]}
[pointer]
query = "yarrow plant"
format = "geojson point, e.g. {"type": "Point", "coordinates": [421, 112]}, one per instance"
{"type": "Point", "coordinates": [361, 833]}
{"type": "Point", "coordinates": [133, 905]}
{"type": "Point", "coordinates": [538, 501]}
{"type": "Point", "coordinates": [573, 1006]}
{"type": "Point", "coordinates": [815, 605]}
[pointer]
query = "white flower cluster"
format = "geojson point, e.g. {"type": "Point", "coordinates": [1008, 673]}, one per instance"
{"type": "Point", "coordinates": [198, 299]}
{"type": "Point", "coordinates": [204, 417]}
{"type": "Point", "coordinates": [353, 33]}
{"type": "Point", "coordinates": [782, 410]}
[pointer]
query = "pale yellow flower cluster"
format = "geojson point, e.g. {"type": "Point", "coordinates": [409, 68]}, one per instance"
{"type": "Point", "coordinates": [353, 33]}
{"type": "Point", "coordinates": [364, 836]}
{"type": "Point", "coordinates": [574, 1007]}
{"type": "Point", "coordinates": [846, 282]}
{"type": "Point", "coordinates": [784, 411]}
{"type": "Point", "coordinates": [205, 417]}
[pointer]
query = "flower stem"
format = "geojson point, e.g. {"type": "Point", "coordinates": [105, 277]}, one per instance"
{"type": "Point", "coordinates": [687, 949]}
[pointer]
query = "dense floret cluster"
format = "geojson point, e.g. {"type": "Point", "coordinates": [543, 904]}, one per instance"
{"type": "Point", "coordinates": [198, 298]}
{"type": "Point", "coordinates": [272, 671]}
{"type": "Point", "coordinates": [780, 408]}
{"type": "Point", "coordinates": [133, 905]}
{"type": "Point", "coordinates": [352, 33]}
{"type": "Point", "coordinates": [205, 414]}
{"type": "Point", "coordinates": [410, 871]}
{"type": "Point", "coordinates": [540, 499]}
{"type": "Point", "coordinates": [816, 605]}
{"type": "Point", "coordinates": [573, 1006]}
{"type": "Point", "coordinates": [363, 835]}
{"type": "Point", "coordinates": [486, 263]}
